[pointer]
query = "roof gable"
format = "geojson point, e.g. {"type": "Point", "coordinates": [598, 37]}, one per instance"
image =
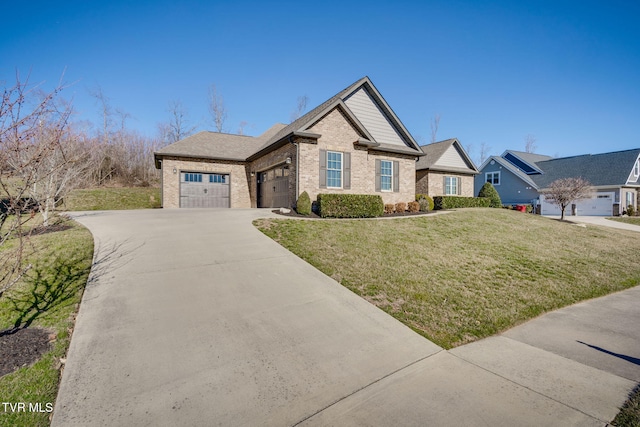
{"type": "Point", "coordinates": [446, 156]}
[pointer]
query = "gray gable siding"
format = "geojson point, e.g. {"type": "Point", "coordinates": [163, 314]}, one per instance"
{"type": "Point", "coordinates": [512, 189]}
{"type": "Point", "coordinates": [452, 158]}
{"type": "Point", "coordinates": [372, 118]}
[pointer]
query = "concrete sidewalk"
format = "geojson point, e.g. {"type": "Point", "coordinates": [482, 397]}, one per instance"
{"type": "Point", "coordinates": [193, 317]}
{"type": "Point", "coordinates": [599, 220]}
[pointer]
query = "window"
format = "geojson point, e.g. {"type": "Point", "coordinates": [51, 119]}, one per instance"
{"type": "Point", "coordinates": [386, 175]}
{"type": "Point", "coordinates": [192, 177]}
{"type": "Point", "coordinates": [630, 199]}
{"type": "Point", "coordinates": [492, 177]}
{"type": "Point", "coordinates": [222, 179]}
{"type": "Point", "coordinates": [334, 169]}
{"type": "Point", "coordinates": [450, 186]}
{"type": "Point", "coordinates": [636, 169]}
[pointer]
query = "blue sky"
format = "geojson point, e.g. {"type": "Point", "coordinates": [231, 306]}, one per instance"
{"type": "Point", "coordinates": [567, 72]}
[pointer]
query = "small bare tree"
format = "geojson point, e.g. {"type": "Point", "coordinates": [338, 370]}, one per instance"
{"type": "Point", "coordinates": [530, 144]}
{"type": "Point", "coordinates": [300, 108]}
{"type": "Point", "coordinates": [217, 108]}
{"type": "Point", "coordinates": [563, 191]}
{"type": "Point", "coordinates": [31, 124]}
{"type": "Point", "coordinates": [484, 152]}
{"type": "Point", "coordinates": [179, 127]}
{"type": "Point", "coordinates": [435, 123]}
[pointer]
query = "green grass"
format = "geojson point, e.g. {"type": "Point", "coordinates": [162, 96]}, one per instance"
{"type": "Point", "coordinates": [47, 297]}
{"type": "Point", "coordinates": [112, 199]}
{"type": "Point", "coordinates": [627, 220]}
{"type": "Point", "coordinates": [466, 275]}
{"type": "Point", "coordinates": [629, 415]}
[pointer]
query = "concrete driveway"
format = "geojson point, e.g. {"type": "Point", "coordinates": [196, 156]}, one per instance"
{"type": "Point", "coordinates": [600, 220]}
{"type": "Point", "coordinates": [193, 317]}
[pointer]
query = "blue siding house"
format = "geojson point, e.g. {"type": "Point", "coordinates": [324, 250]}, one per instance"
{"type": "Point", "coordinates": [520, 177]}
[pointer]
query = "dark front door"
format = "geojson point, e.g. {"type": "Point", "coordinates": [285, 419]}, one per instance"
{"type": "Point", "coordinates": [273, 188]}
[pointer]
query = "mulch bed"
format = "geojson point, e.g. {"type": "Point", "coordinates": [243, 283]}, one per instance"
{"type": "Point", "coordinates": [314, 215]}
{"type": "Point", "coordinates": [22, 347]}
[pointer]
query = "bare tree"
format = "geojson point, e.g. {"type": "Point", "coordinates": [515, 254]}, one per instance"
{"type": "Point", "coordinates": [484, 152]}
{"type": "Point", "coordinates": [563, 191]}
{"type": "Point", "coordinates": [179, 127]}
{"type": "Point", "coordinates": [243, 124]}
{"type": "Point", "coordinates": [301, 107]}
{"type": "Point", "coordinates": [26, 114]}
{"type": "Point", "coordinates": [217, 108]}
{"type": "Point", "coordinates": [435, 123]}
{"type": "Point", "coordinates": [530, 144]}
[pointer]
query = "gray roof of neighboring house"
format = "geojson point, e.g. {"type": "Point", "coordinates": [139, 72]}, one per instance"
{"type": "Point", "coordinates": [433, 152]}
{"type": "Point", "coordinates": [599, 169]}
{"type": "Point", "coordinates": [531, 158]}
{"type": "Point", "coordinates": [215, 145]}
{"type": "Point", "coordinates": [508, 165]}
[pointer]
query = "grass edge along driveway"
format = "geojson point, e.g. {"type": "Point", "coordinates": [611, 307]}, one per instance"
{"type": "Point", "coordinates": [467, 275]}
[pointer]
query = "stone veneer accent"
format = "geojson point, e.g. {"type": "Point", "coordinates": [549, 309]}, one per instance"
{"type": "Point", "coordinates": [432, 183]}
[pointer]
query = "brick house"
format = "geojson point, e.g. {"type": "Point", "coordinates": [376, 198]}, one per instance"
{"type": "Point", "coordinates": [351, 143]}
{"type": "Point", "coordinates": [445, 170]}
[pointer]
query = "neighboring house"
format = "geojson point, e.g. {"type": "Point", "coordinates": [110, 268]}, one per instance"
{"type": "Point", "coordinates": [520, 177]}
{"type": "Point", "coordinates": [351, 143]}
{"type": "Point", "coordinates": [445, 170]}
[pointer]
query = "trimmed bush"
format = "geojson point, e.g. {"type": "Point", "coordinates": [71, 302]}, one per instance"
{"type": "Point", "coordinates": [425, 205]}
{"type": "Point", "coordinates": [630, 210]}
{"type": "Point", "coordinates": [413, 206]}
{"type": "Point", "coordinates": [389, 208]}
{"type": "Point", "coordinates": [303, 206]}
{"type": "Point", "coordinates": [489, 191]}
{"type": "Point", "coordinates": [427, 198]}
{"type": "Point", "coordinates": [401, 207]}
{"type": "Point", "coordinates": [350, 205]}
{"type": "Point", "coordinates": [451, 202]}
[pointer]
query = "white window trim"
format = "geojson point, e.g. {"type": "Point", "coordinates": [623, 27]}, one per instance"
{"type": "Point", "coordinates": [636, 169]}
{"type": "Point", "coordinates": [390, 190]}
{"type": "Point", "coordinates": [457, 181]}
{"type": "Point", "coordinates": [486, 175]}
{"type": "Point", "coordinates": [341, 169]}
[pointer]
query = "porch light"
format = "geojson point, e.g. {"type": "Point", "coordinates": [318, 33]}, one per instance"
{"type": "Point", "coordinates": [288, 161]}
{"type": "Point", "coordinates": [175, 170]}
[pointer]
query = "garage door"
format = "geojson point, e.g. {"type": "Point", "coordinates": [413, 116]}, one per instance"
{"type": "Point", "coordinates": [273, 188]}
{"type": "Point", "coordinates": [204, 190]}
{"type": "Point", "coordinates": [601, 204]}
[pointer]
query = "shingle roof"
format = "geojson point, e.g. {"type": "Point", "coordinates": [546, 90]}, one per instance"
{"type": "Point", "coordinates": [531, 158]}
{"type": "Point", "coordinates": [236, 147]}
{"type": "Point", "coordinates": [434, 151]}
{"type": "Point", "coordinates": [215, 145]}
{"type": "Point", "coordinates": [599, 169]}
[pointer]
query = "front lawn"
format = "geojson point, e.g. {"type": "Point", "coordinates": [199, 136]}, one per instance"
{"type": "Point", "coordinates": [42, 305]}
{"type": "Point", "coordinates": [466, 275]}
{"type": "Point", "coordinates": [635, 220]}
{"type": "Point", "coordinates": [106, 198]}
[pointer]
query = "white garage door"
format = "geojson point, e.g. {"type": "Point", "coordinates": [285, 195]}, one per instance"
{"type": "Point", "coordinates": [601, 204]}
{"type": "Point", "coordinates": [204, 190]}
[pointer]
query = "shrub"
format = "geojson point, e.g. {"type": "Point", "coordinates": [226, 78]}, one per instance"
{"type": "Point", "coordinates": [413, 206]}
{"type": "Point", "coordinates": [350, 205]}
{"type": "Point", "coordinates": [424, 205]}
{"type": "Point", "coordinates": [630, 210]}
{"type": "Point", "coordinates": [389, 208]}
{"type": "Point", "coordinates": [450, 202]}
{"type": "Point", "coordinates": [489, 191]}
{"type": "Point", "coordinates": [303, 206]}
{"type": "Point", "coordinates": [427, 198]}
{"type": "Point", "coordinates": [401, 207]}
